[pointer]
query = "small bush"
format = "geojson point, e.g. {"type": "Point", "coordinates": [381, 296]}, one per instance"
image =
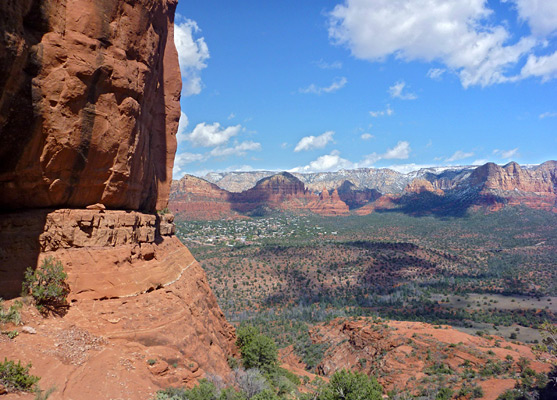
{"type": "Point", "coordinates": [47, 285]}
{"type": "Point", "coordinates": [16, 376]}
{"type": "Point", "coordinates": [11, 314]}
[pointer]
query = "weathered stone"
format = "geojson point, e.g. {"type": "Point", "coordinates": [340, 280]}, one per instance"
{"type": "Point", "coordinates": [89, 103]}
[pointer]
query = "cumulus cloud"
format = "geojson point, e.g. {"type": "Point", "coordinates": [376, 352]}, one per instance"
{"type": "Point", "coordinates": [401, 151]}
{"type": "Point", "coordinates": [506, 154]}
{"type": "Point", "coordinates": [387, 112]}
{"type": "Point", "coordinates": [314, 142]}
{"type": "Point", "coordinates": [541, 15]}
{"type": "Point", "coordinates": [456, 33]}
{"type": "Point", "coordinates": [544, 67]}
{"type": "Point", "coordinates": [366, 136]}
{"type": "Point", "coordinates": [192, 56]}
{"type": "Point", "coordinates": [209, 135]}
{"type": "Point", "coordinates": [406, 168]}
{"type": "Point", "coordinates": [327, 162]}
{"type": "Point", "coordinates": [240, 149]}
{"type": "Point", "coordinates": [459, 155]}
{"type": "Point", "coordinates": [397, 92]}
{"type": "Point", "coordinates": [182, 159]}
{"type": "Point", "coordinates": [338, 83]}
{"type": "Point", "coordinates": [334, 162]}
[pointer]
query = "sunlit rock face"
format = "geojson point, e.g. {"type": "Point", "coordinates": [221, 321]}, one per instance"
{"type": "Point", "coordinates": [89, 103]}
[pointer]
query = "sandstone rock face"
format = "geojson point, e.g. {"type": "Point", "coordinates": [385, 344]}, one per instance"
{"type": "Point", "coordinates": [89, 103]}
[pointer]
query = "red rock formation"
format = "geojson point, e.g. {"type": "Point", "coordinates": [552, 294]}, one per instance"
{"type": "Point", "coordinates": [281, 191]}
{"type": "Point", "coordinates": [89, 108]}
{"type": "Point", "coordinates": [513, 185]}
{"type": "Point", "coordinates": [134, 286]}
{"type": "Point", "coordinates": [329, 204]}
{"type": "Point", "coordinates": [89, 103]}
{"type": "Point", "coordinates": [399, 353]}
{"type": "Point", "coordinates": [356, 198]}
{"type": "Point", "coordinates": [195, 198]}
{"type": "Point", "coordinates": [419, 186]}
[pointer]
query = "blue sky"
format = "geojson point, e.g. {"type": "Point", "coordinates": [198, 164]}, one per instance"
{"type": "Point", "coordinates": [323, 85]}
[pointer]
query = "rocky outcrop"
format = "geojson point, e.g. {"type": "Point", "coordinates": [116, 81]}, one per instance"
{"type": "Point", "coordinates": [195, 198]}
{"type": "Point", "coordinates": [89, 109]}
{"type": "Point", "coordinates": [89, 103]}
{"type": "Point", "coordinates": [329, 204]}
{"type": "Point", "coordinates": [281, 191]}
{"type": "Point", "coordinates": [133, 286]}
{"type": "Point", "coordinates": [419, 186]}
{"type": "Point", "coordinates": [354, 197]}
{"type": "Point", "coordinates": [402, 354]}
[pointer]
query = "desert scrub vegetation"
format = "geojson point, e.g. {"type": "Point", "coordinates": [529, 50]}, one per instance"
{"type": "Point", "coordinates": [47, 285]}
{"type": "Point", "coordinates": [11, 315]}
{"type": "Point", "coordinates": [15, 376]}
{"type": "Point", "coordinates": [343, 385]}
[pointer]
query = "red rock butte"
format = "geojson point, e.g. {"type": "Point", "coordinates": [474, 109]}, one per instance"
{"type": "Point", "coordinates": [89, 109]}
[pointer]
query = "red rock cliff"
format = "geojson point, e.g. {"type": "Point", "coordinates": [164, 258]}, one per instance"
{"type": "Point", "coordinates": [89, 103]}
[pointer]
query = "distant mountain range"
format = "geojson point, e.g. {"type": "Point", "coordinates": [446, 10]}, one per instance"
{"type": "Point", "coordinates": [436, 191]}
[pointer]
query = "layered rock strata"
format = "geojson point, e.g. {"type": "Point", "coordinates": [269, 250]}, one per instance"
{"type": "Point", "coordinates": [134, 287]}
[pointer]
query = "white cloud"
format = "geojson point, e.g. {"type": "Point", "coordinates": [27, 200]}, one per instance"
{"type": "Point", "coordinates": [232, 116]}
{"type": "Point", "coordinates": [459, 155]}
{"type": "Point", "coordinates": [192, 56]}
{"type": "Point", "coordinates": [327, 162]}
{"type": "Point", "coordinates": [367, 136]}
{"type": "Point", "coordinates": [388, 112]}
{"type": "Point", "coordinates": [454, 32]}
{"type": "Point", "coordinates": [548, 115]}
{"type": "Point", "coordinates": [436, 73]}
{"type": "Point", "coordinates": [182, 159]}
{"type": "Point", "coordinates": [506, 154]}
{"type": "Point", "coordinates": [481, 161]}
{"type": "Point", "coordinates": [396, 92]}
{"type": "Point", "coordinates": [544, 67]}
{"type": "Point", "coordinates": [209, 135]}
{"type": "Point", "coordinates": [541, 15]}
{"type": "Point", "coordinates": [334, 162]}
{"type": "Point", "coordinates": [238, 150]}
{"type": "Point", "coordinates": [181, 135]}
{"type": "Point", "coordinates": [338, 83]}
{"type": "Point", "coordinates": [400, 151]}
{"type": "Point", "coordinates": [314, 142]}
{"type": "Point", "coordinates": [328, 65]}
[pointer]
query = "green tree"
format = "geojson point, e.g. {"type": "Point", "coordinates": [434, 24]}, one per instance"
{"type": "Point", "coordinates": [258, 351]}
{"type": "Point", "coordinates": [347, 385]}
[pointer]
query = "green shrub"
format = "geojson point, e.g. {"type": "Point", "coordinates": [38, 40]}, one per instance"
{"type": "Point", "coordinates": [347, 385]}
{"type": "Point", "coordinates": [16, 376]}
{"type": "Point", "coordinates": [47, 285]}
{"type": "Point", "coordinates": [11, 314]}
